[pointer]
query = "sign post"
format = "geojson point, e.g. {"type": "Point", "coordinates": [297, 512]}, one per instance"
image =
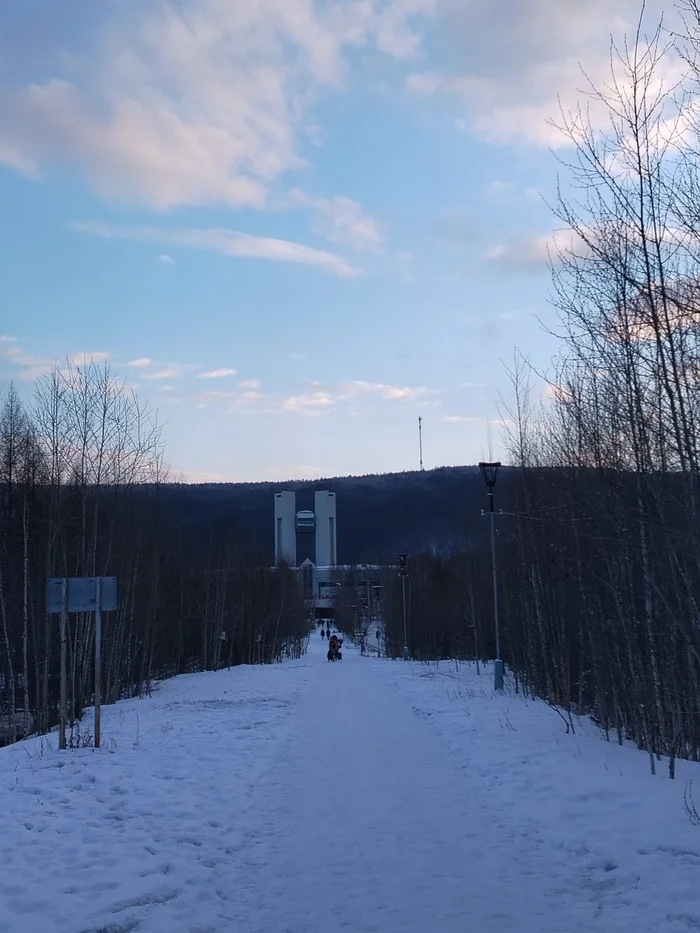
{"type": "Point", "coordinates": [98, 659]}
{"type": "Point", "coordinates": [81, 594]}
{"type": "Point", "coordinates": [64, 673]}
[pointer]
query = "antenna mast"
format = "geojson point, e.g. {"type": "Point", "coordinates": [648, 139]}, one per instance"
{"type": "Point", "coordinates": [420, 440]}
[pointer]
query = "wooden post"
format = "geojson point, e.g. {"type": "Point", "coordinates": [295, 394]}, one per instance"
{"type": "Point", "coordinates": [64, 685]}
{"type": "Point", "coordinates": [98, 658]}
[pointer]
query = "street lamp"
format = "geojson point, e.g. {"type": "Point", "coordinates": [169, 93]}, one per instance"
{"type": "Point", "coordinates": [402, 570]}
{"type": "Point", "coordinates": [490, 472]}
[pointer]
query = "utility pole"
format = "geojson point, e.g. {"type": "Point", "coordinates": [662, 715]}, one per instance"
{"type": "Point", "coordinates": [420, 440]}
{"type": "Point", "coordinates": [490, 472]}
{"type": "Point", "coordinates": [98, 660]}
{"type": "Point", "coordinates": [64, 675]}
{"type": "Point", "coordinates": [498, 663]}
{"type": "Point", "coordinates": [402, 571]}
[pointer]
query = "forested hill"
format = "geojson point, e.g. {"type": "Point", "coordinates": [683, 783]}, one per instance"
{"type": "Point", "coordinates": [378, 515]}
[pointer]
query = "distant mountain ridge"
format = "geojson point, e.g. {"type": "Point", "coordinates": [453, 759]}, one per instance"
{"type": "Point", "coordinates": [379, 515]}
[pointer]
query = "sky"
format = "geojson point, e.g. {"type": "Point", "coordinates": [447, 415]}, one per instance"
{"type": "Point", "coordinates": [294, 226]}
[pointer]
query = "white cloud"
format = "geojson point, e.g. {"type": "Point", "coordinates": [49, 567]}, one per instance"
{"type": "Point", "coordinates": [148, 369]}
{"type": "Point", "coordinates": [522, 59]}
{"type": "Point", "coordinates": [194, 102]}
{"type": "Point", "coordinates": [319, 399]}
{"type": "Point", "coordinates": [327, 398]}
{"type": "Point", "coordinates": [13, 157]}
{"type": "Point", "coordinates": [169, 371]}
{"type": "Point", "coordinates": [311, 403]}
{"type": "Point", "coordinates": [216, 374]}
{"type": "Point", "coordinates": [342, 220]}
{"type": "Point", "coordinates": [526, 251]}
{"type": "Point", "coordinates": [166, 260]}
{"type": "Point", "coordinates": [384, 391]}
{"type": "Point", "coordinates": [28, 367]}
{"type": "Point", "coordinates": [141, 363]}
{"type": "Point", "coordinates": [532, 253]}
{"type": "Point", "coordinates": [96, 356]}
{"type": "Point", "coordinates": [198, 476]}
{"type": "Point", "coordinates": [251, 399]}
{"type": "Point", "coordinates": [23, 366]}
{"type": "Point", "coordinates": [459, 419]}
{"type": "Point", "coordinates": [226, 242]}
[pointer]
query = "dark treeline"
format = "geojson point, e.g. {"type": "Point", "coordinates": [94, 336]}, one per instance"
{"type": "Point", "coordinates": [378, 515]}
{"type": "Point", "coordinates": [82, 494]}
{"type": "Point", "coordinates": [600, 572]}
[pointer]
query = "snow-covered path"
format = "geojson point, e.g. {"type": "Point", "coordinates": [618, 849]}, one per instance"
{"type": "Point", "coordinates": [362, 796]}
{"type": "Point", "coordinates": [370, 830]}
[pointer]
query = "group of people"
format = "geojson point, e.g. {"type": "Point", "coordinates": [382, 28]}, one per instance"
{"type": "Point", "coordinates": [334, 646]}
{"type": "Point", "coordinates": [332, 639]}
{"type": "Point", "coordinates": [335, 643]}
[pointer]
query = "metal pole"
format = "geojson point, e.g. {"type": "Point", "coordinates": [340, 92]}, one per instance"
{"type": "Point", "coordinates": [498, 663]}
{"type": "Point", "coordinates": [420, 440]}
{"type": "Point", "coordinates": [405, 636]}
{"type": "Point", "coordinates": [64, 683]}
{"type": "Point", "coordinates": [98, 659]}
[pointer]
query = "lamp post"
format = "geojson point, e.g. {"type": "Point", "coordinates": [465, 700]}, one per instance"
{"type": "Point", "coordinates": [402, 570]}
{"type": "Point", "coordinates": [378, 617]}
{"type": "Point", "coordinates": [490, 472]}
{"type": "Point", "coordinates": [336, 600]}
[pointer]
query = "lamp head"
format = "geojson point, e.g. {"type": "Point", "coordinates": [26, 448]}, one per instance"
{"type": "Point", "coordinates": [489, 472]}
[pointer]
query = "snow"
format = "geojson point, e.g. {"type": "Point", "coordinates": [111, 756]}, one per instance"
{"type": "Point", "coordinates": [365, 795]}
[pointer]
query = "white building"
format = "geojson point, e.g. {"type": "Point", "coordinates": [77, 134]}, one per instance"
{"type": "Point", "coordinates": [285, 528]}
{"type": "Point", "coordinates": [326, 544]}
{"type": "Point", "coordinates": [310, 536]}
{"type": "Point", "coordinates": [321, 523]}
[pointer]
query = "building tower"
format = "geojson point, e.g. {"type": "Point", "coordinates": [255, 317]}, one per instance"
{"type": "Point", "coordinates": [285, 528]}
{"type": "Point", "coordinates": [326, 542]}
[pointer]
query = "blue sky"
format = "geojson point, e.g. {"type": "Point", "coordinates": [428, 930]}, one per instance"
{"type": "Point", "coordinates": [294, 226]}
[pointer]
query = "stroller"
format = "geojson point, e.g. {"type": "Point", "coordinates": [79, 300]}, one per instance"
{"type": "Point", "coordinates": [334, 652]}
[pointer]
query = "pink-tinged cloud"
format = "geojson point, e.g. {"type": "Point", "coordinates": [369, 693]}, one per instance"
{"type": "Point", "coordinates": [194, 102]}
